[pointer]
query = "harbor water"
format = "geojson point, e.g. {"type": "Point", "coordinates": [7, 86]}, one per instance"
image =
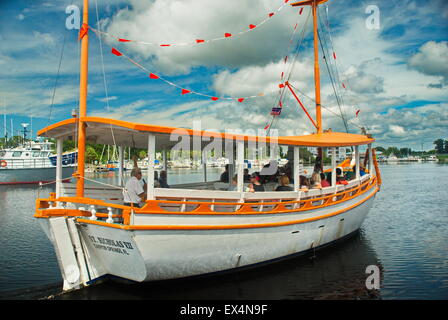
{"type": "Point", "coordinates": [404, 235]}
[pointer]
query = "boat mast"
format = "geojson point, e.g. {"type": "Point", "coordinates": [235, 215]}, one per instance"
{"type": "Point", "coordinates": [83, 99]}
{"type": "Point", "coordinates": [316, 69]}
{"type": "Point", "coordinates": [314, 4]}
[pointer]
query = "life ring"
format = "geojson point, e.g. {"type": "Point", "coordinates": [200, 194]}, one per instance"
{"type": "Point", "coordinates": [3, 163]}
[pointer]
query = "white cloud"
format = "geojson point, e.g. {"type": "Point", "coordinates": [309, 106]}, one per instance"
{"type": "Point", "coordinates": [432, 59]}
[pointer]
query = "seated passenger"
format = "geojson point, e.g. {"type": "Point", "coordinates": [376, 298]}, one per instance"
{"type": "Point", "coordinates": [284, 184]}
{"type": "Point", "coordinates": [246, 175]}
{"type": "Point", "coordinates": [156, 180]}
{"type": "Point", "coordinates": [304, 184]}
{"type": "Point", "coordinates": [234, 185]}
{"type": "Point", "coordinates": [255, 184]}
{"type": "Point", "coordinates": [225, 175]}
{"type": "Point", "coordinates": [323, 181]}
{"type": "Point", "coordinates": [315, 181]}
{"type": "Point", "coordinates": [163, 179]}
{"type": "Point", "coordinates": [340, 178]}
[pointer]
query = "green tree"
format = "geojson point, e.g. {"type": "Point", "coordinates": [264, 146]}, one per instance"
{"type": "Point", "coordinates": [439, 145]}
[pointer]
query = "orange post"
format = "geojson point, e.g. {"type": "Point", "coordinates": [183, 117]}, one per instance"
{"type": "Point", "coordinates": [83, 101]}
{"type": "Point", "coordinates": [316, 70]}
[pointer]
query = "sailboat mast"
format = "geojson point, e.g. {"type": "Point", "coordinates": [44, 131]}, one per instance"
{"type": "Point", "coordinates": [83, 100]}
{"type": "Point", "coordinates": [316, 69]}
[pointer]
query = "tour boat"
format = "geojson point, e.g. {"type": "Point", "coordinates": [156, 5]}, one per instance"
{"type": "Point", "coordinates": [193, 229]}
{"type": "Point", "coordinates": [34, 162]}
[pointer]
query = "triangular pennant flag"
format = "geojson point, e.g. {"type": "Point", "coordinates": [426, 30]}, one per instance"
{"type": "Point", "coordinates": [286, 59]}
{"type": "Point", "coordinates": [83, 31]}
{"type": "Point", "coordinates": [334, 55]}
{"type": "Point", "coordinates": [251, 26]}
{"type": "Point", "coordinates": [280, 103]}
{"type": "Point", "coordinates": [271, 14]}
{"type": "Point", "coordinates": [357, 112]}
{"type": "Point", "coordinates": [124, 40]}
{"type": "Point", "coordinates": [343, 85]}
{"type": "Point", "coordinates": [153, 76]}
{"type": "Point", "coordinates": [116, 52]}
{"type": "Point", "coordinates": [165, 45]}
{"type": "Point", "coordinates": [265, 128]}
{"type": "Point", "coordinates": [185, 91]}
{"type": "Point", "coordinates": [281, 85]}
{"type": "Point", "coordinates": [227, 35]}
{"type": "Point", "coordinates": [301, 9]}
{"type": "Point", "coordinates": [240, 99]}
{"type": "Point", "coordinates": [214, 98]}
{"type": "Point", "coordinates": [199, 40]}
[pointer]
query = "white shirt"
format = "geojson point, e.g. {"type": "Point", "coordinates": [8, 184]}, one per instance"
{"type": "Point", "coordinates": [133, 188]}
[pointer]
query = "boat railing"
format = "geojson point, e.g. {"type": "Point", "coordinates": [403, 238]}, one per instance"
{"type": "Point", "coordinates": [26, 163]}
{"type": "Point", "coordinates": [214, 202]}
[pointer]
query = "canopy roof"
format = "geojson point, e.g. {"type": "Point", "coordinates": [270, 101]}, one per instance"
{"type": "Point", "coordinates": [122, 133]}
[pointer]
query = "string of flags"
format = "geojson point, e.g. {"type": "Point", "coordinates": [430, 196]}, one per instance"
{"type": "Point", "coordinates": [226, 35]}
{"type": "Point", "coordinates": [184, 91]}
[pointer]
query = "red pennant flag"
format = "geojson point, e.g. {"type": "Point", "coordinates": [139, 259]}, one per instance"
{"type": "Point", "coordinates": [265, 128]}
{"type": "Point", "coordinates": [271, 14]}
{"type": "Point", "coordinates": [83, 31]}
{"type": "Point", "coordinates": [185, 91]}
{"type": "Point", "coordinates": [286, 1]}
{"type": "Point", "coordinates": [199, 40]}
{"type": "Point", "coordinates": [116, 52]}
{"type": "Point", "coordinates": [280, 103]}
{"type": "Point", "coordinates": [282, 74]}
{"type": "Point", "coordinates": [343, 85]}
{"type": "Point", "coordinates": [334, 55]}
{"type": "Point", "coordinates": [301, 9]}
{"type": "Point", "coordinates": [227, 35]}
{"type": "Point", "coordinates": [123, 40]}
{"type": "Point", "coordinates": [281, 85]}
{"type": "Point", "coordinates": [165, 45]}
{"type": "Point", "coordinates": [153, 76]}
{"type": "Point", "coordinates": [251, 26]}
{"type": "Point", "coordinates": [240, 99]}
{"type": "Point", "coordinates": [295, 27]}
{"type": "Point", "coordinates": [286, 59]}
{"type": "Point", "coordinates": [214, 98]}
{"type": "Point", "coordinates": [357, 112]}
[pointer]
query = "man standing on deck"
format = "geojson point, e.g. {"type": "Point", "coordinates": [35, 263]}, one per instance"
{"type": "Point", "coordinates": [134, 194]}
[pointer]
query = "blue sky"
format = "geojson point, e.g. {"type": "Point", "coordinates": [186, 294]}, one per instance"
{"type": "Point", "coordinates": [396, 76]}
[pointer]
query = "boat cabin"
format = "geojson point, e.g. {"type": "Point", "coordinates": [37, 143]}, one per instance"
{"type": "Point", "coordinates": [177, 198]}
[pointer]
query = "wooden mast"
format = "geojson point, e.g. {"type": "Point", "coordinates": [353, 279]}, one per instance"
{"type": "Point", "coordinates": [316, 70]}
{"type": "Point", "coordinates": [83, 100]}
{"type": "Point", "coordinates": [314, 4]}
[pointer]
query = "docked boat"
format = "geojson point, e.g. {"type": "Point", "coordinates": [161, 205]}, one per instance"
{"type": "Point", "coordinates": [193, 229]}
{"type": "Point", "coordinates": [34, 162]}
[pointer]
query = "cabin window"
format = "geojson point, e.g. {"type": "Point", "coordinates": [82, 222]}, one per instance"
{"type": "Point", "coordinates": [17, 153]}
{"type": "Point", "coordinates": [2, 153]}
{"type": "Point", "coordinates": [36, 154]}
{"type": "Point", "coordinates": [44, 154]}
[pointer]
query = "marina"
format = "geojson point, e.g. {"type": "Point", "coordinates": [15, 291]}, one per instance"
{"type": "Point", "coordinates": [411, 269]}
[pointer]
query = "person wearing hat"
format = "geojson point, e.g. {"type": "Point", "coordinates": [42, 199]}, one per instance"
{"type": "Point", "coordinates": [255, 184]}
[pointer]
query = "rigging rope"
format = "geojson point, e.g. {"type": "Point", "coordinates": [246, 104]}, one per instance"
{"type": "Point", "coordinates": [197, 41]}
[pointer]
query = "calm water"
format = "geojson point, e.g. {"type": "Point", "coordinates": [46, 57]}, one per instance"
{"type": "Point", "coordinates": [405, 235]}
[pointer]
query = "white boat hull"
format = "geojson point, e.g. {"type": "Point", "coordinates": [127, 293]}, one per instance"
{"type": "Point", "coordinates": [150, 255]}
{"type": "Point", "coordinates": [32, 175]}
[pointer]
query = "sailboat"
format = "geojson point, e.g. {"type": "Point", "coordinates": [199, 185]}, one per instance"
{"type": "Point", "coordinates": [192, 230]}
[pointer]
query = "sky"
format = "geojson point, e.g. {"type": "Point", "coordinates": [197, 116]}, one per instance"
{"type": "Point", "coordinates": [391, 57]}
